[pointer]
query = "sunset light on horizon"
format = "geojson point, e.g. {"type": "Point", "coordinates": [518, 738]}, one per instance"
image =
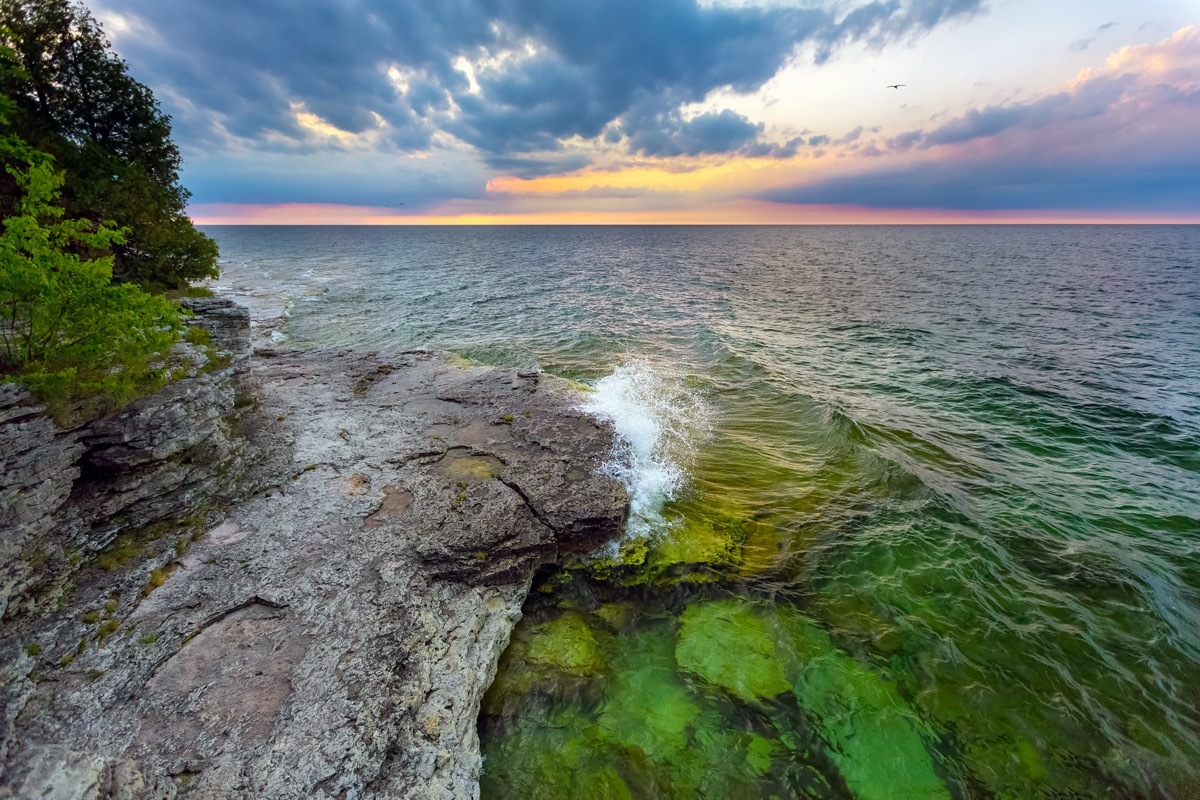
{"type": "Point", "coordinates": [742, 213]}
{"type": "Point", "coordinates": [679, 112]}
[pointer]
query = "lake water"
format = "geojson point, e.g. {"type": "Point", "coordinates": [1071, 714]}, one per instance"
{"type": "Point", "coordinates": [917, 509]}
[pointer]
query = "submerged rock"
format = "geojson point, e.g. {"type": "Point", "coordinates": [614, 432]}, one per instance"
{"type": "Point", "coordinates": [699, 545]}
{"type": "Point", "coordinates": [646, 733]}
{"type": "Point", "coordinates": [728, 645]}
{"type": "Point", "coordinates": [646, 706]}
{"type": "Point", "coordinates": [871, 734]}
{"type": "Point", "coordinates": [566, 643]}
{"type": "Point", "coordinates": [334, 635]}
{"type": "Point", "coordinates": [556, 755]}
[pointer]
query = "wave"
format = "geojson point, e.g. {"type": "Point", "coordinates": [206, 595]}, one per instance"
{"type": "Point", "coordinates": [660, 420]}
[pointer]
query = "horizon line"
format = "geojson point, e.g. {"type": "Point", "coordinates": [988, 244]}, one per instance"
{"type": "Point", "coordinates": [551, 224]}
{"type": "Point", "coordinates": [741, 214]}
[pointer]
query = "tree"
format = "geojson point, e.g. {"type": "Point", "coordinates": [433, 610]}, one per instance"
{"type": "Point", "coordinates": [76, 100]}
{"type": "Point", "coordinates": [66, 330]}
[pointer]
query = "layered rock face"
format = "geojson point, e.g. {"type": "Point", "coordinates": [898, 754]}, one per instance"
{"type": "Point", "coordinates": [67, 493]}
{"type": "Point", "coordinates": [333, 635]}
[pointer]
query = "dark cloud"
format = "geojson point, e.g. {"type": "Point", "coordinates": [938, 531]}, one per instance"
{"type": "Point", "coordinates": [574, 67]}
{"type": "Point", "coordinates": [771, 150]}
{"type": "Point", "coordinates": [851, 136]}
{"type": "Point", "coordinates": [668, 134]}
{"type": "Point", "coordinates": [905, 141]}
{"type": "Point", "coordinates": [878, 23]}
{"type": "Point", "coordinates": [532, 166]}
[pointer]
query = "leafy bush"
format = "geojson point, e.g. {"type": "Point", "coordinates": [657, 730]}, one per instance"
{"type": "Point", "coordinates": [66, 330]}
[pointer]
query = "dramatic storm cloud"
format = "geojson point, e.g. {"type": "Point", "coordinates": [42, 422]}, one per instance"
{"type": "Point", "coordinates": [504, 76]}
{"type": "Point", "coordinates": [674, 109]}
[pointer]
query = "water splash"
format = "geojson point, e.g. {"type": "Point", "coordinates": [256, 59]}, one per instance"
{"type": "Point", "coordinates": [660, 420]}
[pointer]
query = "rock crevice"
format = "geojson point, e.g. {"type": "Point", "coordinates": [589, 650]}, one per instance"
{"type": "Point", "coordinates": [334, 634]}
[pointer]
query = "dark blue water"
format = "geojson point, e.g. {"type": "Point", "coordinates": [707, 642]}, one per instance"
{"type": "Point", "coordinates": [941, 485]}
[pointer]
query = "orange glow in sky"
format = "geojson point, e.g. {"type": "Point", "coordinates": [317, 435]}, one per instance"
{"type": "Point", "coordinates": [736, 213]}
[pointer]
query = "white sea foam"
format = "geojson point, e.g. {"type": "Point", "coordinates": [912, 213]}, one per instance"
{"type": "Point", "coordinates": [659, 421]}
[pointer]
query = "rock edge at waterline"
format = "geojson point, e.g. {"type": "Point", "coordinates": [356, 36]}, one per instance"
{"type": "Point", "coordinates": [334, 634]}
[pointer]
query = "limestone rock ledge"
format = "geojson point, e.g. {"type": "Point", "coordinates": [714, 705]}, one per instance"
{"type": "Point", "coordinates": [333, 635]}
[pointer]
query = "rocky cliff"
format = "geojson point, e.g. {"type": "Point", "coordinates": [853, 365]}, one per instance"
{"type": "Point", "coordinates": [331, 633]}
{"type": "Point", "coordinates": [67, 493]}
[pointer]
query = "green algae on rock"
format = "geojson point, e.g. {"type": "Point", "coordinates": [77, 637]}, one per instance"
{"type": "Point", "coordinates": [697, 546]}
{"type": "Point", "coordinates": [727, 644]}
{"type": "Point", "coordinates": [869, 730]}
{"type": "Point", "coordinates": [552, 756]}
{"type": "Point", "coordinates": [615, 615]}
{"type": "Point", "coordinates": [557, 657]}
{"type": "Point", "coordinates": [646, 705]}
{"type": "Point", "coordinates": [722, 762]}
{"type": "Point", "coordinates": [566, 644]}
{"type": "Point", "coordinates": [871, 733]}
{"type": "Point", "coordinates": [698, 549]}
{"type": "Point", "coordinates": [650, 730]}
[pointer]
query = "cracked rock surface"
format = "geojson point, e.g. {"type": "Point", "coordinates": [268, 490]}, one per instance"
{"type": "Point", "coordinates": [332, 636]}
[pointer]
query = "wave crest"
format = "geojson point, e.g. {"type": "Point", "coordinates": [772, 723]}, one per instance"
{"type": "Point", "coordinates": [660, 420]}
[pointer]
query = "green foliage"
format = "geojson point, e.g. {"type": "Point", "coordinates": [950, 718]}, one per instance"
{"type": "Point", "coordinates": [130, 544]}
{"type": "Point", "coordinates": [197, 336]}
{"type": "Point", "coordinates": [74, 99]}
{"type": "Point", "coordinates": [108, 628]}
{"type": "Point", "coordinates": [195, 291]}
{"type": "Point", "coordinates": [66, 330]}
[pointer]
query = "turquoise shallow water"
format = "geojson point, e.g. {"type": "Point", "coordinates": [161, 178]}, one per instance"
{"type": "Point", "coordinates": [918, 508]}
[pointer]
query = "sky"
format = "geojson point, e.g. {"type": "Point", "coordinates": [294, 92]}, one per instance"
{"type": "Point", "coordinates": [675, 111]}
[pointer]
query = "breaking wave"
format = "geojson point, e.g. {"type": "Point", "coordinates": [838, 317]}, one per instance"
{"type": "Point", "coordinates": [660, 420]}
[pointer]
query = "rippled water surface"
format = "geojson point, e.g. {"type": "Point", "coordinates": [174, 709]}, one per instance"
{"type": "Point", "coordinates": [917, 509]}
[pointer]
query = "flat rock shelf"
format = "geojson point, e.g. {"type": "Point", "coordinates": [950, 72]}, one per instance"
{"type": "Point", "coordinates": [334, 634]}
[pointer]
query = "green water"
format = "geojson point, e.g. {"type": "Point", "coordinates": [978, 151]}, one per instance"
{"type": "Point", "coordinates": [856, 639]}
{"type": "Point", "coordinates": [917, 510]}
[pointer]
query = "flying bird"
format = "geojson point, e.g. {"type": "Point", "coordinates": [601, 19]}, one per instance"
{"type": "Point", "coordinates": [896, 85]}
